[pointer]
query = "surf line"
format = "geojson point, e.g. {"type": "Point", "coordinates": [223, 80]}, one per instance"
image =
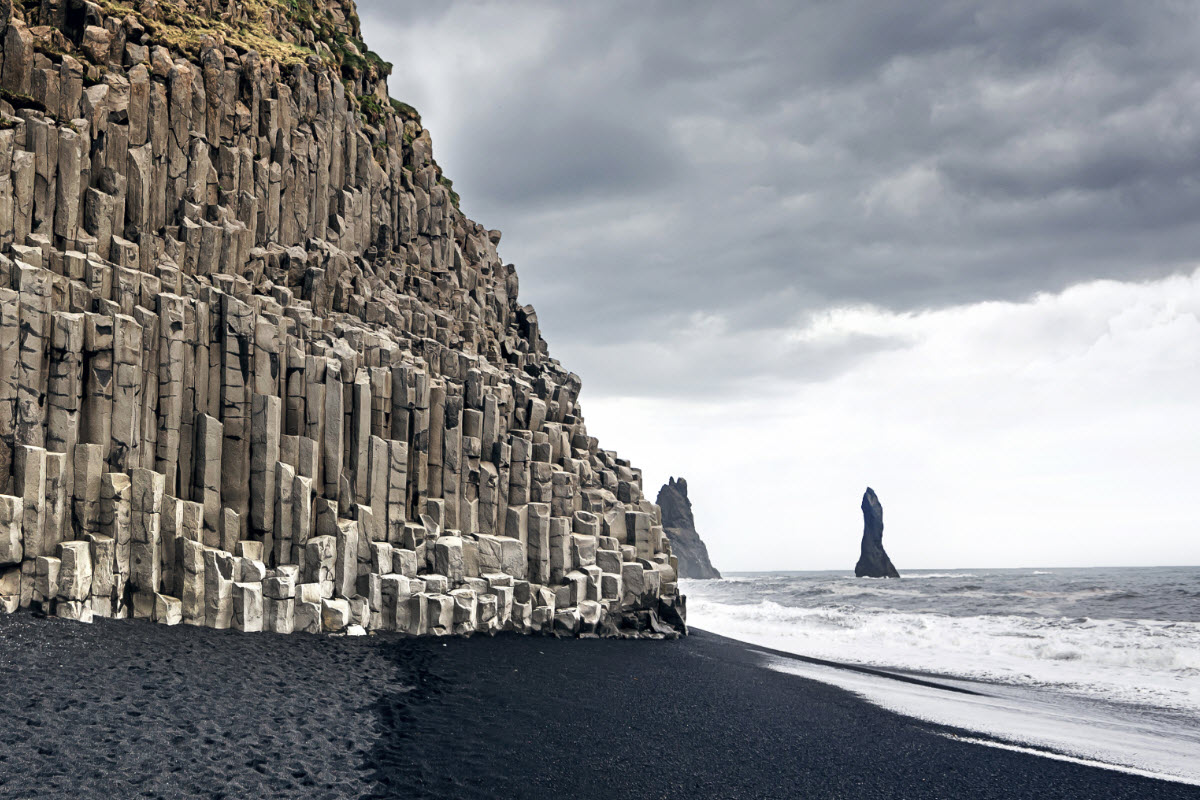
{"type": "Point", "coordinates": [878, 673]}
{"type": "Point", "coordinates": [1087, 762]}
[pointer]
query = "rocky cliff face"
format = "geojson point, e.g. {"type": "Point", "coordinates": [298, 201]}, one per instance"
{"type": "Point", "coordinates": [873, 562]}
{"type": "Point", "coordinates": [257, 370]}
{"type": "Point", "coordinates": [680, 527]}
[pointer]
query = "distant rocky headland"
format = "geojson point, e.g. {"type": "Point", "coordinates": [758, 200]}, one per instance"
{"type": "Point", "coordinates": [873, 561]}
{"type": "Point", "coordinates": [680, 527]}
{"type": "Point", "coordinates": [258, 370]}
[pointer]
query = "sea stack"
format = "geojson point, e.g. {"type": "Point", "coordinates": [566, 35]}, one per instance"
{"type": "Point", "coordinates": [680, 528]}
{"type": "Point", "coordinates": [874, 561]}
{"type": "Point", "coordinates": [258, 370]}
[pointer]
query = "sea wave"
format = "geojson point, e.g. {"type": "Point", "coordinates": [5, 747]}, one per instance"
{"type": "Point", "coordinates": [1146, 662]}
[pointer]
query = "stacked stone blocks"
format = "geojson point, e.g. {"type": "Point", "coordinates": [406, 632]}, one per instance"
{"type": "Point", "coordinates": [258, 372]}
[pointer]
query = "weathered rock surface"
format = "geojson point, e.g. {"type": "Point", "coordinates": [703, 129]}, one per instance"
{"type": "Point", "coordinates": [873, 562]}
{"type": "Point", "coordinates": [257, 369]}
{"type": "Point", "coordinates": [680, 527]}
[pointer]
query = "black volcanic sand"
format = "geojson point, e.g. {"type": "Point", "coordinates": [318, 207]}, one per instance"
{"type": "Point", "coordinates": [132, 709]}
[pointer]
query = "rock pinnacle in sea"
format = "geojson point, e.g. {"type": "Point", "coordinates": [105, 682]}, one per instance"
{"type": "Point", "coordinates": [874, 561]}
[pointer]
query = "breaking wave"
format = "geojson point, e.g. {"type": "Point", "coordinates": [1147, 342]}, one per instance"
{"type": "Point", "coordinates": [986, 627]}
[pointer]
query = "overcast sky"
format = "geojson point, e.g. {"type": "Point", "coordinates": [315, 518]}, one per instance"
{"type": "Point", "coordinates": [799, 249]}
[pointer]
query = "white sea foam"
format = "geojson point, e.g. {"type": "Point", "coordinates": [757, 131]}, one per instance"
{"type": "Point", "coordinates": [1069, 661]}
{"type": "Point", "coordinates": [1177, 770]}
{"type": "Point", "coordinates": [1145, 662]}
{"type": "Point", "coordinates": [1042, 723]}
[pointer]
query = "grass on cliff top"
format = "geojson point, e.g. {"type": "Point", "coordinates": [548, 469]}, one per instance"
{"type": "Point", "coordinates": [350, 52]}
{"type": "Point", "coordinates": [184, 30]}
{"type": "Point", "coordinates": [254, 29]}
{"type": "Point", "coordinates": [406, 111]}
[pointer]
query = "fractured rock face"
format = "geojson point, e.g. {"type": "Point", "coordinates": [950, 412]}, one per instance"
{"type": "Point", "coordinates": [257, 369]}
{"type": "Point", "coordinates": [680, 528]}
{"type": "Point", "coordinates": [874, 562]}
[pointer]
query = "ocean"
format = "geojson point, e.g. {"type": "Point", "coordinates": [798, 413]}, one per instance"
{"type": "Point", "coordinates": [1097, 664]}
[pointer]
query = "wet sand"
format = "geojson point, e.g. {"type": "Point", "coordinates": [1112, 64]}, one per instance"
{"type": "Point", "coordinates": [132, 709]}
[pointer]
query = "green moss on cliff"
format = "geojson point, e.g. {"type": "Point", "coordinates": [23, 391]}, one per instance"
{"type": "Point", "coordinates": [449, 184]}
{"type": "Point", "coordinates": [182, 30]}
{"type": "Point", "coordinates": [372, 110]}
{"type": "Point", "coordinates": [287, 31]}
{"type": "Point", "coordinates": [406, 112]}
{"type": "Point", "coordinates": [19, 101]}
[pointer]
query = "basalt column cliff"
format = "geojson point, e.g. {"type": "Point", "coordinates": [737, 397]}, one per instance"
{"type": "Point", "coordinates": [257, 370]}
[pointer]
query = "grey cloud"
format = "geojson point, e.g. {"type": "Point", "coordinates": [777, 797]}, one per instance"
{"type": "Point", "coordinates": [693, 366]}
{"type": "Point", "coordinates": [757, 161]}
{"type": "Point", "coordinates": [573, 156]}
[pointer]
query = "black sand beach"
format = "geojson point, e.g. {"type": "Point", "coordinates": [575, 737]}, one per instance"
{"type": "Point", "coordinates": [130, 709]}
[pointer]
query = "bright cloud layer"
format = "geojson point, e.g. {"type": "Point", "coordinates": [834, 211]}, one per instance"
{"type": "Point", "coordinates": [1062, 431]}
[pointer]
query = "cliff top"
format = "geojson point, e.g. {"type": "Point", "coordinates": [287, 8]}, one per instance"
{"type": "Point", "coordinates": [288, 31]}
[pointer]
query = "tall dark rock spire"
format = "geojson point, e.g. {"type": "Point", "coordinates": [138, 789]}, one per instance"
{"type": "Point", "coordinates": [680, 528]}
{"type": "Point", "coordinates": [874, 561]}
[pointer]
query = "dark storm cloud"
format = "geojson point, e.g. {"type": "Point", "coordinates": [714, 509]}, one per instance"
{"type": "Point", "coordinates": [654, 162]}
{"type": "Point", "coordinates": [569, 158]}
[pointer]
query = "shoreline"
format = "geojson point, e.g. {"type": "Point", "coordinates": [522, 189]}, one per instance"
{"type": "Point", "coordinates": [1138, 740]}
{"type": "Point", "coordinates": [131, 708]}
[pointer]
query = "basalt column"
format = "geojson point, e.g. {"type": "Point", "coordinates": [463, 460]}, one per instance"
{"type": "Point", "coordinates": [258, 370]}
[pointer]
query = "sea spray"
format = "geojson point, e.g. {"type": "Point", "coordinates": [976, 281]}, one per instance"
{"type": "Point", "coordinates": [1124, 635]}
